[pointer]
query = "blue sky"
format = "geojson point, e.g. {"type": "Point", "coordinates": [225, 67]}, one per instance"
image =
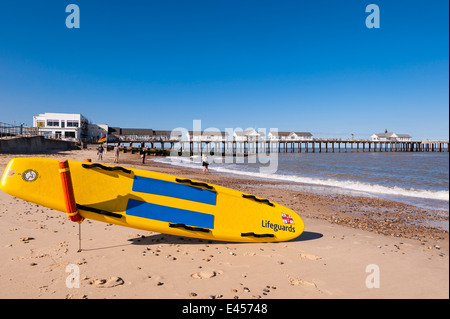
{"type": "Point", "coordinates": [293, 65]}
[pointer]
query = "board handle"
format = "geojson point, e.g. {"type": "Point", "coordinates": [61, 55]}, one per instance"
{"type": "Point", "coordinates": [188, 181]}
{"type": "Point", "coordinates": [204, 230]}
{"type": "Point", "coordinates": [107, 168]}
{"type": "Point", "coordinates": [256, 235]}
{"type": "Point", "coordinates": [69, 197]}
{"type": "Point", "coordinates": [98, 211]}
{"type": "Point", "coordinates": [260, 200]}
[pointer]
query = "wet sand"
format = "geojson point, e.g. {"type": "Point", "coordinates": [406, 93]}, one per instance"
{"type": "Point", "coordinates": [346, 240]}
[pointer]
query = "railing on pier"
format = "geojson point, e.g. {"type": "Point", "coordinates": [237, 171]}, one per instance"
{"type": "Point", "coordinates": [289, 145]}
{"type": "Point", "coordinates": [9, 130]}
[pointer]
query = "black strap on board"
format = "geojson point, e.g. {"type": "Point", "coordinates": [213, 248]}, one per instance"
{"type": "Point", "coordinates": [256, 235]}
{"type": "Point", "coordinates": [188, 181]}
{"type": "Point", "coordinates": [265, 201]}
{"type": "Point", "coordinates": [98, 211]}
{"type": "Point", "coordinates": [204, 230]}
{"type": "Point", "coordinates": [107, 168]}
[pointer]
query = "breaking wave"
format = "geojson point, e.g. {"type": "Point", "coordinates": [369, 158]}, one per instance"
{"type": "Point", "coordinates": [343, 184]}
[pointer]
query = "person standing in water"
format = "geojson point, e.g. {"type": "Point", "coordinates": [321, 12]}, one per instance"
{"type": "Point", "coordinates": [205, 163]}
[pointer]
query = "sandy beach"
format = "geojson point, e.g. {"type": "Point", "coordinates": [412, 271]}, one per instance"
{"type": "Point", "coordinates": [347, 241]}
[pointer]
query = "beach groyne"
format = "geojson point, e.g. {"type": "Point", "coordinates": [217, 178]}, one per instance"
{"type": "Point", "coordinates": [34, 144]}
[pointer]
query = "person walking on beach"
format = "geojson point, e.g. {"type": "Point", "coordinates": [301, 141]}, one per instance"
{"type": "Point", "coordinates": [116, 153]}
{"type": "Point", "coordinates": [143, 152]}
{"type": "Point", "coordinates": [205, 163]}
{"type": "Point", "coordinates": [100, 153]}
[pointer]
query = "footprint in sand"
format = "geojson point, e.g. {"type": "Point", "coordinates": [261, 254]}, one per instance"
{"type": "Point", "coordinates": [301, 282]}
{"type": "Point", "coordinates": [309, 256]}
{"type": "Point", "coordinates": [205, 274]}
{"type": "Point", "coordinates": [107, 283]}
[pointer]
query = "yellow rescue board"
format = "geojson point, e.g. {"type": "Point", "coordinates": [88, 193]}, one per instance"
{"type": "Point", "coordinates": [153, 201]}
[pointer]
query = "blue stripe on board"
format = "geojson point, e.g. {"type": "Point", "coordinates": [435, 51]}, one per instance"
{"type": "Point", "coordinates": [171, 189]}
{"type": "Point", "coordinates": [169, 214]}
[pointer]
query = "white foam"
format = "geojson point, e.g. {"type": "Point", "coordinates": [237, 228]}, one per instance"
{"type": "Point", "coordinates": [346, 184]}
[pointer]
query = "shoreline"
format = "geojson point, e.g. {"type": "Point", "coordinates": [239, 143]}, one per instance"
{"type": "Point", "coordinates": [344, 234]}
{"type": "Point", "coordinates": [377, 214]}
{"type": "Point", "coordinates": [428, 198]}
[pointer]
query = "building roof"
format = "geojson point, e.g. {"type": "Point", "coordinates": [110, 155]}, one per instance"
{"type": "Point", "coordinates": [208, 133]}
{"type": "Point", "coordinates": [289, 133]}
{"type": "Point", "coordinates": [168, 133]}
{"type": "Point", "coordinates": [391, 134]}
{"type": "Point", "coordinates": [161, 133]}
{"type": "Point", "coordinates": [250, 132]}
{"type": "Point", "coordinates": [280, 133]}
{"type": "Point", "coordinates": [384, 134]}
{"type": "Point", "coordinates": [136, 131]}
{"type": "Point", "coordinates": [302, 133]}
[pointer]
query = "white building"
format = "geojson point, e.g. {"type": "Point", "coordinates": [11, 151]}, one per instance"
{"type": "Point", "coordinates": [207, 136]}
{"type": "Point", "coordinates": [277, 135]}
{"type": "Point", "coordinates": [295, 136]}
{"type": "Point", "coordinates": [62, 125]}
{"type": "Point", "coordinates": [300, 136]}
{"type": "Point", "coordinates": [97, 131]}
{"type": "Point", "coordinates": [391, 137]}
{"type": "Point", "coordinates": [249, 135]}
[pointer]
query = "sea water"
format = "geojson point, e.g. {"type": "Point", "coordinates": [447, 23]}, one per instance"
{"type": "Point", "coordinates": [420, 179]}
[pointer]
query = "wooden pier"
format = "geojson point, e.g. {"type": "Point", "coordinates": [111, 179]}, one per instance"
{"type": "Point", "coordinates": [284, 146]}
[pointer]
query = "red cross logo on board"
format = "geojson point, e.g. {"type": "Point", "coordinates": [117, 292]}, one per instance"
{"type": "Point", "coordinates": [287, 219]}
